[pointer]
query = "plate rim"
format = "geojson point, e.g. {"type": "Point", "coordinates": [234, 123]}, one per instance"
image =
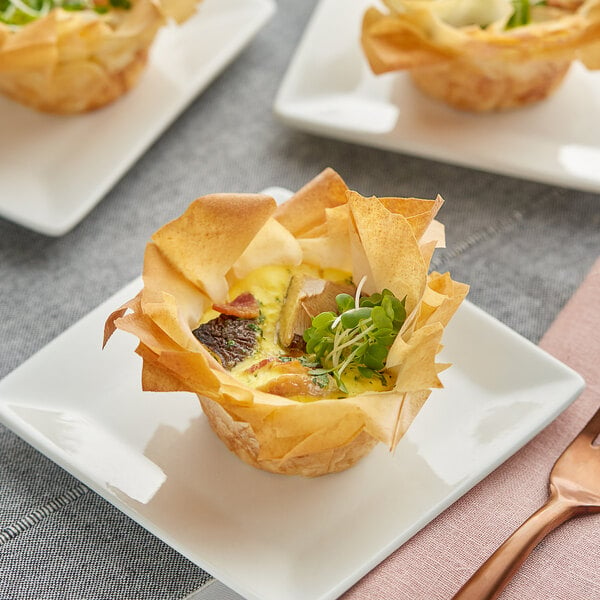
{"type": "Point", "coordinates": [33, 437]}
{"type": "Point", "coordinates": [36, 439]}
{"type": "Point", "coordinates": [283, 109]}
{"type": "Point", "coordinates": [63, 221]}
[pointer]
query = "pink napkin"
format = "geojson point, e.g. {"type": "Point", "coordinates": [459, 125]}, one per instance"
{"type": "Point", "coordinates": [566, 565]}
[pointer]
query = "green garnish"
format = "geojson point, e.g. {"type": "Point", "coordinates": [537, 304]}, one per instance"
{"type": "Point", "coordinates": [307, 362]}
{"type": "Point", "coordinates": [359, 335]}
{"type": "Point", "coordinates": [521, 15]}
{"type": "Point", "coordinates": [17, 13]}
{"type": "Point", "coordinates": [522, 12]}
{"type": "Point", "coordinates": [255, 328]}
{"type": "Point", "coordinates": [321, 380]}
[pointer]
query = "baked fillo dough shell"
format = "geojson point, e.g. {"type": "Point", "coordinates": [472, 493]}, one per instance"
{"type": "Point", "coordinates": [194, 261]}
{"type": "Point", "coordinates": [239, 437]}
{"type": "Point", "coordinates": [482, 69]}
{"type": "Point", "coordinates": [486, 85]}
{"type": "Point", "coordinates": [76, 61]}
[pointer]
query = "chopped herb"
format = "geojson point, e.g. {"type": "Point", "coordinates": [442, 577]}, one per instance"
{"type": "Point", "coordinates": [321, 380]}
{"type": "Point", "coordinates": [307, 362]}
{"type": "Point", "coordinates": [255, 327]}
{"type": "Point", "coordinates": [360, 334]}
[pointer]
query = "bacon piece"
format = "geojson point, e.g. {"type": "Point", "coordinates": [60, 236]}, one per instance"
{"type": "Point", "coordinates": [259, 365]}
{"type": "Point", "coordinates": [244, 306]}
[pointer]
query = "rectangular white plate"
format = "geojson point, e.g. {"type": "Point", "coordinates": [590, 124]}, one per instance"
{"type": "Point", "coordinates": [269, 536]}
{"type": "Point", "coordinates": [329, 90]}
{"type": "Point", "coordinates": [55, 169]}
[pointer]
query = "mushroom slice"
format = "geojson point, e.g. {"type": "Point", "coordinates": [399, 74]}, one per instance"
{"type": "Point", "coordinates": [306, 297]}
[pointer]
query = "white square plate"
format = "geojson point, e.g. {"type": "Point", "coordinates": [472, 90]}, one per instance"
{"type": "Point", "coordinates": [329, 90]}
{"type": "Point", "coordinates": [54, 169]}
{"type": "Point", "coordinates": [269, 536]}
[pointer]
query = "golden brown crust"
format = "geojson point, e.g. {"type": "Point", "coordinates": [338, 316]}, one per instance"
{"type": "Point", "coordinates": [74, 62]}
{"type": "Point", "coordinates": [481, 86]}
{"type": "Point", "coordinates": [76, 88]}
{"type": "Point", "coordinates": [188, 240]}
{"type": "Point", "coordinates": [307, 208]}
{"type": "Point", "coordinates": [271, 431]}
{"type": "Point", "coordinates": [239, 437]}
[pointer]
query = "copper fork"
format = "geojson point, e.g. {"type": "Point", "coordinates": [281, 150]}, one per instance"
{"type": "Point", "coordinates": [574, 490]}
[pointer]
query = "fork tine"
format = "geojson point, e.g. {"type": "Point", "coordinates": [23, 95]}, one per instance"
{"type": "Point", "coordinates": [587, 435]}
{"type": "Point", "coordinates": [591, 431]}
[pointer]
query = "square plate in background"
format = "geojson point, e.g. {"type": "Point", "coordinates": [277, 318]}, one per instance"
{"type": "Point", "coordinates": [330, 90]}
{"type": "Point", "coordinates": [54, 169]}
{"type": "Point", "coordinates": [268, 537]}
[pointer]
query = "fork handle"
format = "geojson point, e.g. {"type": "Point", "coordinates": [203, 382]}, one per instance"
{"type": "Point", "coordinates": [490, 579]}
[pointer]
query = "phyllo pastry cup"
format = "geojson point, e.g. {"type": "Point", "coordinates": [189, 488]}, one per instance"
{"type": "Point", "coordinates": [73, 61]}
{"type": "Point", "coordinates": [204, 259]}
{"type": "Point", "coordinates": [473, 55]}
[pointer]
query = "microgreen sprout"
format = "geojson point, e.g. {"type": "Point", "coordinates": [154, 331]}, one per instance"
{"type": "Point", "coordinates": [359, 334]}
{"type": "Point", "coordinates": [522, 12]}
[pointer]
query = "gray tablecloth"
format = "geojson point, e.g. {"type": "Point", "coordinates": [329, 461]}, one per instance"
{"type": "Point", "coordinates": [524, 247]}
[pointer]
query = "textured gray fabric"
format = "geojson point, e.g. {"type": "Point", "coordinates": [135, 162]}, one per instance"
{"type": "Point", "coordinates": [524, 247]}
{"type": "Point", "coordinates": [65, 556]}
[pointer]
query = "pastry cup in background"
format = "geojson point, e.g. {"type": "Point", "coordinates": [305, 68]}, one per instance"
{"type": "Point", "coordinates": [193, 262]}
{"type": "Point", "coordinates": [73, 61]}
{"type": "Point", "coordinates": [482, 68]}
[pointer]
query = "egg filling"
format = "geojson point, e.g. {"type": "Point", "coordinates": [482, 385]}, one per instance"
{"type": "Point", "coordinates": [278, 362]}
